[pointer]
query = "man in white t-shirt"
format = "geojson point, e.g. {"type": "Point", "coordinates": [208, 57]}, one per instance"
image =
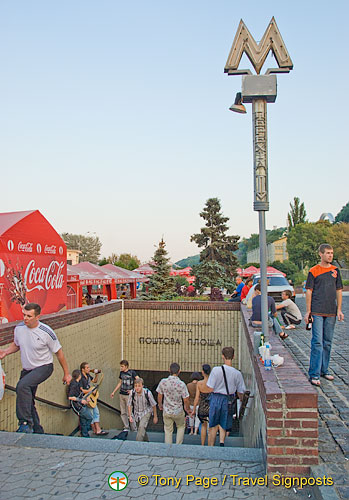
{"type": "Point", "coordinates": [289, 311]}
{"type": "Point", "coordinates": [223, 387]}
{"type": "Point", "coordinates": [36, 342]}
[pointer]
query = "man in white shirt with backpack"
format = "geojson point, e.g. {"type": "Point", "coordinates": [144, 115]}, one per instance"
{"type": "Point", "coordinates": [224, 381]}
{"type": "Point", "coordinates": [141, 404]}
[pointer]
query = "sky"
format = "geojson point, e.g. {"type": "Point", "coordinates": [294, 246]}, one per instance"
{"type": "Point", "coordinates": [115, 120]}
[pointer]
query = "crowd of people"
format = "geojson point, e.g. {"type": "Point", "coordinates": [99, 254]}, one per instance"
{"type": "Point", "coordinates": [209, 399]}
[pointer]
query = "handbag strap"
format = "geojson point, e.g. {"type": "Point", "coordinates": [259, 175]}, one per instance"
{"type": "Point", "coordinates": [225, 381]}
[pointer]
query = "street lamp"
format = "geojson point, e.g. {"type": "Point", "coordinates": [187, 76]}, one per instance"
{"type": "Point", "coordinates": [259, 90]}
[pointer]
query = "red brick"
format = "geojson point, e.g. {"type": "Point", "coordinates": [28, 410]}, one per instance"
{"type": "Point", "coordinates": [276, 469]}
{"type": "Point", "coordinates": [283, 460]}
{"type": "Point", "coordinates": [275, 432]}
{"type": "Point", "coordinates": [277, 403]}
{"type": "Point", "coordinates": [292, 424]}
{"type": "Point", "coordinates": [274, 423]}
{"type": "Point", "coordinates": [310, 424]}
{"type": "Point", "coordinates": [301, 451]}
{"type": "Point", "coordinates": [310, 460]}
{"type": "Point", "coordinates": [300, 470]}
{"type": "Point", "coordinates": [302, 414]}
{"type": "Point", "coordinates": [301, 400]}
{"type": "Point", "coordinates": [275, 450]}
{"type": "Point", "coordinates": [274, 414]}
{"type": "Point", "coordinates": [309, 442]}
{"type": "Point", "coordinates": [297, 433]}
{"type": "Point", "coordinates": [281, 441]}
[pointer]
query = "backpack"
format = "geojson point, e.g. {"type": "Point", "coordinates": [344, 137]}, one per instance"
{"type": "Point", "coordinates": [146, 393]}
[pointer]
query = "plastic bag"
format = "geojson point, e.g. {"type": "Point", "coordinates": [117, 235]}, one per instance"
{"type": "Point", "coordinates": [2, 382]}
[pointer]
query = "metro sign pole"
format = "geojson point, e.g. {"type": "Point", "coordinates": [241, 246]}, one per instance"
{"type": "Point", "coordinates": [259, 90]}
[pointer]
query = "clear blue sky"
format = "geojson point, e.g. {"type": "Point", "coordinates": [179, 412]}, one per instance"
{"type": "Point", "coordinates": [115, 119]}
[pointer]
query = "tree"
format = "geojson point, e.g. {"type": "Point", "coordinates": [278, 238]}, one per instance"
{"type": "Point", "coordinates": [124, 260]}
{"type": "Point", "coordinates": [304, 240]}
{"type": "Point", "coordinates": [339, 240]}
{"type": "Point", "coordinates": [343, 215]}
{"type": "Point", "coordinates": [289, 268]}
{"type": "Point", "coordinates": [218, 263]}
{"type": "Point", "coordinates": [89, 246]}
{"type": "Point", "coordinates": [297, 214]}
{"type": "Point", "coordinates": [161, 284]}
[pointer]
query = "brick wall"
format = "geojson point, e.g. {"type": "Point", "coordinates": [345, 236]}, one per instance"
{"type": "Point", "coordinates": [289, 427]}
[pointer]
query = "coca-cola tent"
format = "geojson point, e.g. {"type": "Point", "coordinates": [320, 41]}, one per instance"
{"type": "Point", "coordinates": [33, 261]}
{"type": "Point", "coordinates": [249, 271]}
{"type": "Point", "coordinates": [144, 269]}
{"type": "Point", "coordinates": [124, 276]}
{"type": "Point", "coordinates": [91, 274]}
{"type": "Point", "coordinates": [271, 270]}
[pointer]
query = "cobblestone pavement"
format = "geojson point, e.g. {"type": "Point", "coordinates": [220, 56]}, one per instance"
{"type": "Point", "coordinates": [333, 397]}
{"type": "Point", "coordinates": [42, 474]}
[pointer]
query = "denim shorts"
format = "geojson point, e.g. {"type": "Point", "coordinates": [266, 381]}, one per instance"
{"type": "Point", "coordinates": [219, 411]}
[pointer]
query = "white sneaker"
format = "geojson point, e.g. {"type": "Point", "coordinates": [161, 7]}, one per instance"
{"type": "Point", "coordinates": [290, 327]}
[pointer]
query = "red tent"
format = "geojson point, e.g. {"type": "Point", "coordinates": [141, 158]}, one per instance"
{"type": "Point", "coordinates": [91, 274]}
{"type": "Point", "coordinates": [271, 270]}
{"type": "Point", "coordinates": [33, 259]}
{"type": "Point", "coordinates": [144, 269]}
{"type": "Point", "coordinates": [249, 271]}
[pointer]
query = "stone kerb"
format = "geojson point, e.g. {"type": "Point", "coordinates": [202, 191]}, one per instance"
{"type": "Point", "coordinates": [290, 408]}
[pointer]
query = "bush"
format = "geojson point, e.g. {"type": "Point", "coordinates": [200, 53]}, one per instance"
{"type": "Point", "coordinates": [345, 282]}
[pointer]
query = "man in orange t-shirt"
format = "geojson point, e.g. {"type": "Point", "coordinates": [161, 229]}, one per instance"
{"type": "Point", "coordinates": [324, 302]}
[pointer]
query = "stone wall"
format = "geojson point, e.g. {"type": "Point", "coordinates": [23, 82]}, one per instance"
{"type": "Point", "coordinates": [283, 414]}
{"type": "Point", "coordinates": [159, 333]}
{"type": "Point", "coordinates": [90, 334]}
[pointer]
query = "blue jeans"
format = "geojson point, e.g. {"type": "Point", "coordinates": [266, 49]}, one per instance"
{"type": "Point", "coordinates": [321, 343]}
{"type": "Point", "coordinates": [85, 421]}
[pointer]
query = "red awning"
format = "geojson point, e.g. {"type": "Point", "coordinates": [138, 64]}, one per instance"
{"type": "Point", "coordinates": [271, 270]}
{"type": "Point", "coordinates": [91, 274]}
{"type": "Point", "coordinates": [144, 269]}
{"type": "Point", "coordinates": [249, 271]}
{"type": "Point", "coordinates": [124, 275]}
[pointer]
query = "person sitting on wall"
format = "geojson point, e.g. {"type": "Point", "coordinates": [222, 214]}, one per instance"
{"type": "Point", "coordinates": [289, 311]}
{"type": "Point", "coordinates": [246, 289]}
{"type": "Point", "coordinates": [37, 342]}
{"type": "Point", "coordinates": [256, 317]}
{"type": "Point", "coordinates": [79, 404]}
{"type": "Point", "coordinates": [141, 404]}
{"type": "Point", "coordinates": [236, 295]}
{"type": "Point", "coordinates": [85, 386]}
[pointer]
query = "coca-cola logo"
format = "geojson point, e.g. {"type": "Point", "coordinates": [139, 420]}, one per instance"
{"type": "Point", "coordinates": [44, 278]}
{"type": "Point", "coordinates": [50, 249]}
{"type": "Point", "coordinates": [25, 247]}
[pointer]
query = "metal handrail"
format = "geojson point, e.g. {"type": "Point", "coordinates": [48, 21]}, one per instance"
{"type": "Point", "coordinates": [62, 407]}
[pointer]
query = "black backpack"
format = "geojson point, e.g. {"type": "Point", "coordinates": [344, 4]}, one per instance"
{"type": "Point", "coordinates": [146, 393]}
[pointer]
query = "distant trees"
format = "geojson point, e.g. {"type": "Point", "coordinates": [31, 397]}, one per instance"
{"type": "Point", "coordinates": [297, 214]}
{"type": "Point", "coordinates": [343, 215]}
{"type": "Point", "coordinates": [218, 263]}
{"type": "Point", "coordinates": [89, 246]}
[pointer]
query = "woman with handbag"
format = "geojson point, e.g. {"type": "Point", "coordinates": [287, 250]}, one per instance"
{"type": "Point", "coordinates": [202, 400]}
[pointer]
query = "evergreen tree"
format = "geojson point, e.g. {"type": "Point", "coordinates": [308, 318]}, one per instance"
{"type": "Point", "coordinates": [297, 214]}
{"type": "Point", "coordinates": [343, 215]}
{"type": "Point", "coordinates": [218, 263]}
{"type": "Point", "coordinates": [161, 284]}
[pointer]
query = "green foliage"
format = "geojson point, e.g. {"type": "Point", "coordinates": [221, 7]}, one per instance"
{"type": "Point", "coordinates": [218, 263]}
{"type": "Point", "coordinates": [343, 215]}
{"type": "Point", "coordinates": [297, 214]}
{"type": "Point", "coordinates": [89, 246]}
{"type": "Point", "coordinates": [161, 284]}
{"type": "Point", "coordinates": [103, 261]}
{"type": "Point", "coordinates": [188, 262]}
{"type": "Point", "coordinates": [339, 239]}
{"type": "Point", "coordinates": [304, 240]}
{"type": "Point", "coordinates": [127, 261]}
{"type": "Point", "coordinates": [248, 264]}
{"type": "Point", "coordinates": [252, 242]}
{"type": "Point", "coordinates": [345, 282]}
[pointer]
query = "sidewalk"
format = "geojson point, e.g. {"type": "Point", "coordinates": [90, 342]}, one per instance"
{"type": "Point", "coordinates": [44, 467]}
{"type": "Point", "coordinates": [333, 398]}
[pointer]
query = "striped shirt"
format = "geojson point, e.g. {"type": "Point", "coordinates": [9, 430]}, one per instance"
{"type": "Point", "coordinates": [37, 345]}
{"type": "Point", "coordinates": [141, 406]}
